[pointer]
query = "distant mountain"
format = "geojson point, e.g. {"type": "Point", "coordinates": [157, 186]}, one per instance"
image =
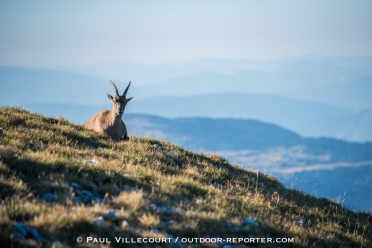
{"type": "Point", "coordinates": [341, 82]}
{"type": "Point", "coordinates": [307, 118]}
{"type": "Point", "coordinates": [213, 134]}
{"type": "Point", "coordinates": [336, 85]}
{"type": "Point", "coordinates": [359, 127]}
{"type": "Point", "coordinates": [239, 134]}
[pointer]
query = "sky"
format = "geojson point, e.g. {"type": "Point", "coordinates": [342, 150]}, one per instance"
{"type": "Point", "coordinates": [80, 33]}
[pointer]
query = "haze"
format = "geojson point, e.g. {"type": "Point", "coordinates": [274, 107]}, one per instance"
{"type": "Point", "coordinates": [77, 33]}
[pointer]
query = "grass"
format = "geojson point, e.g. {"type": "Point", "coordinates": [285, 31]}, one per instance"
{"type": "Point", "coordinates": [152, 193]}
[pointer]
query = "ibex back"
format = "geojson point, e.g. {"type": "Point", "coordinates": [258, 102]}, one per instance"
{"type": "Point", "coordinates": [110, 122]}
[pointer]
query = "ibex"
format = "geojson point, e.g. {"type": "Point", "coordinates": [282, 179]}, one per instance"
{"type": "Point", "coordinates": [110, 122]}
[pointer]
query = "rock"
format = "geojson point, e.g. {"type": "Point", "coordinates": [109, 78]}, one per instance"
{"type": "Point", "coordinates": [49, 197]}
{"type": "Point", "coordinates": [111, 214]}
{"type": "Point", "coordinates": [151, 207]}
{"type": "Point", "coordinates": [58, 244]}
{"type": "Point", "coordinates": [232, 228]}
{"type": "Point", "coordinates": [93, 185]}
{"type": "Point", "coordinates": [245, 228]}
{"type": "Point", "coordinates": [165, 210]}
{"type": "Point", "coordinates": [300, 222]}
{"type": "Point", "coordinates": [172, 153]}
{"type": "Point", "coordinates": [129, 188]}
{"type": "Point", "coordinates": [324, 240]}
{"type": "Point", "coordinates": [75, 186]}
{"type": "Point", "coordinates": [99, 221]}
{"type": "Point", "coordinates": [92, 161]}
{"type": "Point", "coordinates": [99, 200]}
{"type": "Point", "coordinates": [97, 194]}
{"type": "Point", "coordinates": [87, 193]}
{"type": "Point", "coordinates": [77, 199]}
{"type": "Point", "coordinates": [86, 196]}
{"type": "Point", "coordinates": [74, 209]}
{"type": "Point", "coordinates": [20, 228]}
{"type": "Point", "coordinates": [124, 224]}
{"type": "Point", "coordinates": [165, 225]}
{"type": "Point", "coordinates": [180, 211]}
{"type": "Point", "coordinates": [22, 232]}
{"type": "Point", "coordinates": [217, 185]}
{"type": "Point", "coordinates": [35, 234]}
{"type": "Point", "coordinates": [115, 187]}
{"type": "Point", "coordinates": [199, 201]}
{"type": "Point", "coordinates": [249, 222]}
{"type": "Point", "coordinates": [159, 146]}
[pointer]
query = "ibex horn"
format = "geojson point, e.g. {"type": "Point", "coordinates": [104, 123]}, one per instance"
{"type": "Point", "coordinates": [126, 90]}
{"type": "Point", "coordinates": [116, 89]}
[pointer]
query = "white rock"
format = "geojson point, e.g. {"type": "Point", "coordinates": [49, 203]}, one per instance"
{"type": "Point", "coordinates": [172, 153]}
{"type": "Point", "coordinates": [217, 185]}
{"type": "Point", "coordinates": [99, 221]}
{"type": "Point", "coordinates": [92, 161]}
{"type": "Point", "coordinates": [249, 221]}
{"type": "Point", "coordinates": [300, 222]}
{"type": "Point", "coordinates": [124, 224]}
{"type": "Point", "coordinates": [159, 146]}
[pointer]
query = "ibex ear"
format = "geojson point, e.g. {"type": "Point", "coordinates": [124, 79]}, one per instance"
{"type": "Point", "coordinates": [110, 97]}
{"type": "Point", "coordinates": [130, 98]}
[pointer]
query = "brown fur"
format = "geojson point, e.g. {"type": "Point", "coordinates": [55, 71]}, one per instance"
{"type": "Point", "coordinates": [110, 122]}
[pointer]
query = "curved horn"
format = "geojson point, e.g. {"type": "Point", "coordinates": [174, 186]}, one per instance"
{"type": "Point", "coordinates": [126, 90]}
{"type": "Point", "coordinates": [116, 89]}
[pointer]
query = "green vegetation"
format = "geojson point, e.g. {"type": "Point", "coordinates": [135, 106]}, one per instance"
{"type": "Point", "coordinates": [65, 182]}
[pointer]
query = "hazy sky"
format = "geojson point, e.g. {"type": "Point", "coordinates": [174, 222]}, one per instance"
{"type": "Point", "coordinates": [60, 33]}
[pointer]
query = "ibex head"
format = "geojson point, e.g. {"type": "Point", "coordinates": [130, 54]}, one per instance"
{"type": "Point", "coordinates": [119, 101]}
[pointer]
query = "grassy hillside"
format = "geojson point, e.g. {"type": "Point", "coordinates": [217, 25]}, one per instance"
{"type": "Point", "coordinates": [59, 182]}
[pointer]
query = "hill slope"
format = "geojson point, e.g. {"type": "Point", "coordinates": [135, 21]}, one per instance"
{"type": "Point", "coordinates": [60, 182]}
{"type": "Point", "coordinates": [327, 166]}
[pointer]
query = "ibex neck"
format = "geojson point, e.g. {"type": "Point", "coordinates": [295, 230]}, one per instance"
{"type": "Point", "coordinates": [115, 118]}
